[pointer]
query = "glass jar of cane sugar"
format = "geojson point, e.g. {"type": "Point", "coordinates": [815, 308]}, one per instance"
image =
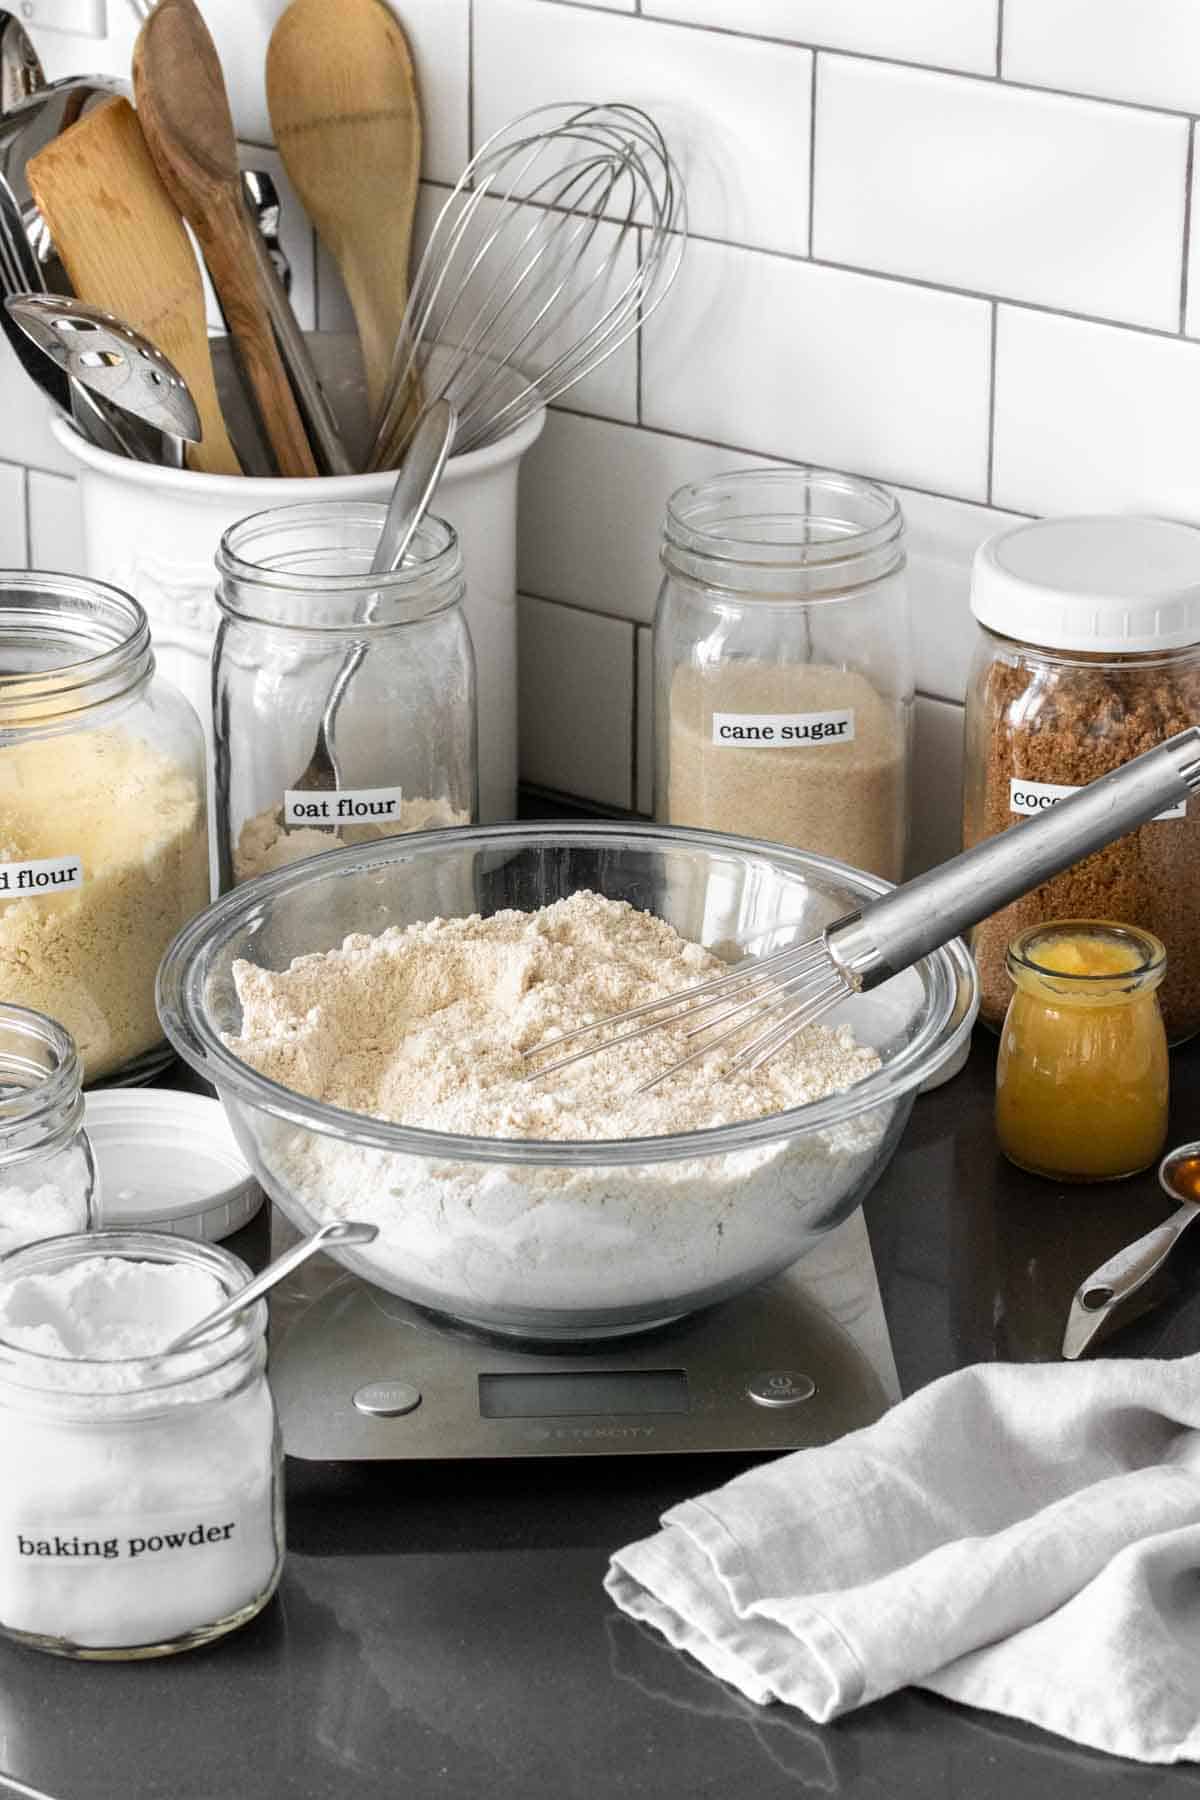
{"type": "Point", "coordinates": [103, 817]}
{"type": "Point", "coordinates": [1088, 654]}
{"type": "Point", "coordinates": [783, 666]}
{"type": "Point", "coordinates": [141, 1510]}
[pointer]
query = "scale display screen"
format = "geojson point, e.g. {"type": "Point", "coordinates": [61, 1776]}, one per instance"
{"type": "Point", "coordinates": [592, 1393]}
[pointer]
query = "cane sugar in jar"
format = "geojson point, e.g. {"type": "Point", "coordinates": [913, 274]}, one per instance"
{"type": "Point", "coordinates": [783, 664]}
{"type": "Point", "coordinates": [1089, 654]}
{"type": "Point", "coordinates": [1083, 1073]}
{"type": "Point", "coordinates": [141, 1510]}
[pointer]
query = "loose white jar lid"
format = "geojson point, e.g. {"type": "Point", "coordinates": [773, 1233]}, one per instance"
{"type": "Point", "coordinates": [168, 1161]}
{"type": "Point", "coordinates": [1098, 583]}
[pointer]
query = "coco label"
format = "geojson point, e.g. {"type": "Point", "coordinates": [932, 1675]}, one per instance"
{"type": "Point", "coordinates": [1029, 798]}
{"type": "Point", "coordinates": [782, 731]}
{"type": "Point", "coordinates": [345, 806]}
{"type": "Point", "coordinates": [41, 876]}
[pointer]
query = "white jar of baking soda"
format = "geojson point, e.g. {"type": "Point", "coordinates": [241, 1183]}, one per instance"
{"type": "Point", "coordinates": [141, 1509]}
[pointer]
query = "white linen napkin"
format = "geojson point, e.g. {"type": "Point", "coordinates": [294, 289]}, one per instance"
{"type": "Point", "coordinates": [1021, 1538]}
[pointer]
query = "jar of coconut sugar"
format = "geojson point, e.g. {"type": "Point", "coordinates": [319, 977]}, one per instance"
{"type": "Point", "coordinates": [141, 1509]}
{"type": "Point", "coordinates": [783, 664]}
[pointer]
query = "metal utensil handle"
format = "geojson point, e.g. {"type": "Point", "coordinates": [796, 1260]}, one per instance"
{"type": "Point", "coordinates": [338, 1231]}
{"type": "Point", "coordinates": [896, 930]}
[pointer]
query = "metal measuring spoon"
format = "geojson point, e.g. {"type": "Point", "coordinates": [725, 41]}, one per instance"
{"type": "Point", "coordinates": [111, 360]}
{"type": "Point", "coordinates": [340, 1232]}
{"type": "Point", "coordinates": [21, 71]}
{"type": "Point", "coordinates": [1123, 1274]}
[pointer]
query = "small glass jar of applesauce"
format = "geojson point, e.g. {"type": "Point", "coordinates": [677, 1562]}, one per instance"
{"type": "Point", "coordinates": [1082, 1077]}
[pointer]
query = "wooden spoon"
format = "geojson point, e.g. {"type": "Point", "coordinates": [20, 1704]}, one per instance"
{"type": "Point", "coordinates": [184, 111]}
{"type": "Point", "coordinates": [347, 121]}
{"type": "Point", "coordinates": [124, 248]}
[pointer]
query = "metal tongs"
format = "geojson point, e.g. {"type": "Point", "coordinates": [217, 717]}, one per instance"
{"type": "Point", "coordinates": [1109, 1286]}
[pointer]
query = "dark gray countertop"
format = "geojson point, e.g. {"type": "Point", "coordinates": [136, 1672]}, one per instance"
{"type": "Point", "coordinates": [443, 1630]}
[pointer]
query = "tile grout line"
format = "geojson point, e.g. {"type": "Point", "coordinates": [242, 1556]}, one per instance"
{"type": "Point", "coordinates": [812, 152]}
{"type": "Point", "coordinates": [991, 412]}
{"type": "Point", "coordinates": [999, 40]}
{"type": "Point", "coordinates": [879, 56]}
{"type": "Point", "coordinates": [635, 713]}
{"type": "Point", "coordinates": [1187, 229]}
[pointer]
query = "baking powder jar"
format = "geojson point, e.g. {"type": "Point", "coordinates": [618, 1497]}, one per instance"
{"type": "Point", "coordinates": [141, 1508]}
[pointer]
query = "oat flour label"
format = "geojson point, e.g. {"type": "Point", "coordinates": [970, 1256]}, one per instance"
{"type": "Point", "coordinates": [1029, 798]}
{"type": "Point", "coordinates": [43, 875]}
{"type": "Point", "coordinates": [347, 806]}
{"type": "Point", "coordinates": [778, 731]}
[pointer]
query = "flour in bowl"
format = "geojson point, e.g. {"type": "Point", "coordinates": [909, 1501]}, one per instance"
{"type": "Point", "coordinates": [424, 1026]}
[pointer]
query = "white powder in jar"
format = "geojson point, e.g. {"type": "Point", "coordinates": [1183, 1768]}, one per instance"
{"type": "Point", "coordinates": [425, 1026]}
{"type": "Point", "coordinates": [265, 843]}
{"type": "Point", "coordinates": [140, 1500]}
{"type": "Point", "coordinates": [27, 1214]}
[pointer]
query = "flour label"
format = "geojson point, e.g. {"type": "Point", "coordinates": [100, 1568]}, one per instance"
{"type": "Point", "coordinates": [1029, 798]}
{"type": "Point", "coordinates": [782, 731]}
{"type": "Point", "coordinates": [345, 806]}
{"type": "Point", "coordinates": [43, 875]}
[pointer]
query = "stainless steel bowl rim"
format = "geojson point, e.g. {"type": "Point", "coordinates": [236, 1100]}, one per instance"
{"type": "Point", "coordinates": [202, 1048]}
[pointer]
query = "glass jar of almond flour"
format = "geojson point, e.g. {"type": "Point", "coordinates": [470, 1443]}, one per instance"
{"type": "Point", "coordinates": [783, 664]}
{"type": "Point", "coordinates": [1088, 654]}
{"type": "Point", "coordinates": [103, 819]}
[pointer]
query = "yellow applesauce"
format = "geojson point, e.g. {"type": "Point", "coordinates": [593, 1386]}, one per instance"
{"type": "Point", "coordinates": [1082, 1076]}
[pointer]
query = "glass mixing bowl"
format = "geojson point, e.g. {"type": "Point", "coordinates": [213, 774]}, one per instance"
{"type": "Point", "coordinates": [564, 1240]}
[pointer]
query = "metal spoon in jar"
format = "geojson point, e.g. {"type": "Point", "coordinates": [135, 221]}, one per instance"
{"type": "Point", "coordinates": [346, 1231]}
{"type": "Point", "coordinates": [1123, 1274]}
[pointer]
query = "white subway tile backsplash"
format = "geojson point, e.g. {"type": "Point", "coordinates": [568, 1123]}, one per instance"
{"type": "Point", "coordinates": [576, 702]}
{"type": "Point", "coordinates": [957, 36]}
{"type": "Point", "coordinates": [25, 416]}
{"type": "Point", "coordinates": [643, 798]}
{"type": "Point", "coordinates": [55, 524]}
{"type": "Point", "coordinates": [942, 537]}
{"type": "Point", "coordinates": [1067, 203]}
{"type": "Point", "coordinates": [1092, 419]}
{"type": "Point", "coordinates": [14, 549]}
{"type": "Point", "coordinates": [1140, 50]}
{"type": "Point", "coordinates": [819, 365]}
{"type": "Point", "coordinates": [936, 804]}
{"type": "Point", "coordinates": [735, 112]}
{"type": "Point", "coordinates": [438, 33]}
{"type": "Point", "coordinates": [1191, 323]}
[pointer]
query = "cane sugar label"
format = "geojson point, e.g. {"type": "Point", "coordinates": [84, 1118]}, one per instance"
{"type": "Point", "coordinates": [40, 876]}
{"type": "Point", "coordinates": [344, 806]}
{"type": "Point", "coordinates": [1029, 798]}
{"type": "Point", "coordinates": [782, 731]}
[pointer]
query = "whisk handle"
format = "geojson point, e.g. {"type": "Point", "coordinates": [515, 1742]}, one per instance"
{"type": "Point", "coordinates": [895, 931]}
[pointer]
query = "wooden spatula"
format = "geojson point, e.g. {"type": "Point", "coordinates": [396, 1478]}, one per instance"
{"type": "Point", "coordinates": [124, 248]}
{"type": "Point", "coordinates": [347, 122]}
{"type": "Point", "coordinates": [184, 111]}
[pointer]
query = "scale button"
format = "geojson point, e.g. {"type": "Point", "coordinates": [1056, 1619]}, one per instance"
{"type": "Point", "coordinates": [387, 1399]}
{"type": "Point", "coordinates": [781, 1387]}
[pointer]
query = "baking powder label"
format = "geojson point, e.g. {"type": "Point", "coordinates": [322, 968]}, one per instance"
{"type": "Point", "coordinates": [1028, 798]}
{"type": "Point", "coordinates": [782, 731]}
{"type": "Point", "coordinates": [345, 806]}
{"type": "Point", "coordinates": [149, 1540]}
{"type": "Point", "coordinates": [43, 875]}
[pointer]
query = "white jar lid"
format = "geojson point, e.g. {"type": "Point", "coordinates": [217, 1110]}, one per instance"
{"type": "Point", "coordinates": [168, 1161]}
{"type": "Point", "coordinates": [1102, 583]}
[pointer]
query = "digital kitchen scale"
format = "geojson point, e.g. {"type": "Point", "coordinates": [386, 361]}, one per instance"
{"type": "Point", "coordinates": [360, 1375]}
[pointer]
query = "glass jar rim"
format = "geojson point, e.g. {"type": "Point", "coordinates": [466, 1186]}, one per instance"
{"type": "Point", "coordinates": [51, 1105]}
{"type": "Point", "coordinates": [440, 563]}
{"type": "Point", "coordinates": [153, 1374]}
{"type": "Point", "coordinates": [109, 625]}
{"type": "Point", "coordinates": [694, 510]}
{"type": "Point", "coordinates": [1148, 972]}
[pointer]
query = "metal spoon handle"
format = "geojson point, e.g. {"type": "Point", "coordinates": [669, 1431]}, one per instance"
{"type": "Point", "coordinates": [339, 1232]}
{"type": "Point", "coordinates": [416, 484]}
{"type": "Point", "coordinates": [1122, 1275]}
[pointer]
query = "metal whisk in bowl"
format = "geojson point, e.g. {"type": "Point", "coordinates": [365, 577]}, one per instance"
{"type": "Point", "coordinates": [563, 234]}
{"type": "Point", "coordinates": [784, 992]}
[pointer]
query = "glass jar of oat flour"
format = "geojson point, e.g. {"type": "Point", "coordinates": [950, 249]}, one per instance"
{"type": "Point", "coordinates": [783, 664]}
{"type": "Point", "coordinates": [103, 826]}
{"type": "Point", "coordinates": [373, 675]}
